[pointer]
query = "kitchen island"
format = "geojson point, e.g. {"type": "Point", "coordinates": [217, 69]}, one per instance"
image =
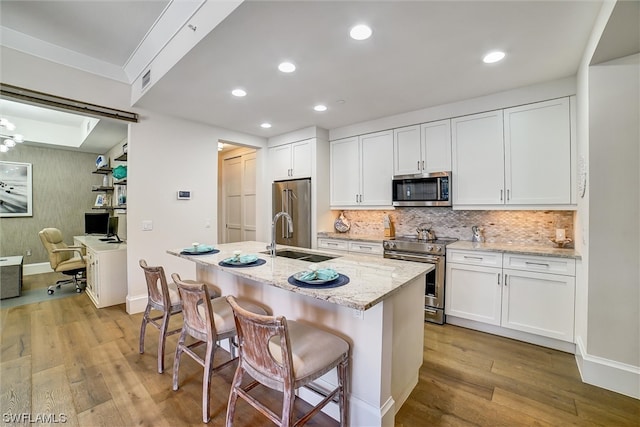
{"type": "Point", "coordinates": [380, 312]}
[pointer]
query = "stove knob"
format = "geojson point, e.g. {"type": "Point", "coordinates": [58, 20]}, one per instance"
{"type": "Point", "coordinates": [430, 248]}
{"type": "Point", "coordinates": [438, 249]}
{"type": "Point", "coordinates": [389, 245]}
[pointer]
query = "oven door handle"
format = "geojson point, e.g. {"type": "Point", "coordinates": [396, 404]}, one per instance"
{"type": "Point", "coordinates": [411, 257]}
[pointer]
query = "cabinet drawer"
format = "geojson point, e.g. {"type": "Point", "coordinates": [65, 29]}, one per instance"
{"type": "Point", "coordinates": [565, 266]}
{"type": "Point", "coordinates": [489, 259]}
{"type": "Point", "coordinates": [339, 245]}
{"type": "Point", "coordinates": [365, 248]}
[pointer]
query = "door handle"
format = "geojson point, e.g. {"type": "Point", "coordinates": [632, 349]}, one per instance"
{"type": "Point", "coordinates": [498, 279]}
{"type": "Point", "coordinates": [501, 195]}
{"type": "Point", "coordinates": [505, 280]}
{"type": "Point", "coordinates": [508, 196]}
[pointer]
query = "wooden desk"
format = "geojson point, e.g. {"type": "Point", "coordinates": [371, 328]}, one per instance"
{"type": "Point", "coordinates": [106, 270]}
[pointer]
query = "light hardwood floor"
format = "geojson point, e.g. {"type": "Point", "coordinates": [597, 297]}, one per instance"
{"type": "Point", "coordinates": [67, 357]}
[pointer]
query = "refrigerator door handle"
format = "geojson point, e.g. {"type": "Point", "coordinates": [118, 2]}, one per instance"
{"type": "Point", "coordinates": [290, 212]}
{"type": "Point", "coordinates": [284, 207]}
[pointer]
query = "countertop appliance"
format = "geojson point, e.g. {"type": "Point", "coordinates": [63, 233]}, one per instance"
{"type": "Point", "coordinates": [431, 189]}
{"type": "Point", "coordinates": [294, 198]}
{"type": "Point", "coordinates": [411, 248]}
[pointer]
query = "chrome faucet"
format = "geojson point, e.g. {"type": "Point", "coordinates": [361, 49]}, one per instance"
{"type": "Point", "coordinates": [272, 247]}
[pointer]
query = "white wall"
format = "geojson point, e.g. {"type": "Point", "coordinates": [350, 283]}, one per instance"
{"type": "Point", "coordinates": [168, 154]}
{"type": "Point", "coordinates": [606, 228]}
{"type": "Point", "coordinates": [614, 210]}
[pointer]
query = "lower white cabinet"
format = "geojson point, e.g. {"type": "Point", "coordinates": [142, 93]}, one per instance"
{"type": "Point", "coordinates": [106, 271]}
{"type": "Point", "coordinates": [372, 248]}
{"type": "Point", "coordinates": [539, 303]}
{"type": "Point", "coordinates": [474, 286]}
{"type": "Point", "coordinates": [535, 294]}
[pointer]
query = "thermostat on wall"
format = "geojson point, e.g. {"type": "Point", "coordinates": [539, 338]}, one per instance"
{"type": "Point", "coordinates": [184, 195]}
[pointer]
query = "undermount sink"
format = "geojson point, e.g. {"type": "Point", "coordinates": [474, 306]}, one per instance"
{"type": "Point", "coordinates": [302, 256]}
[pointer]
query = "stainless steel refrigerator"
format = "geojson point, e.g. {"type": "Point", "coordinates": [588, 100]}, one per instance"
{"type": "Point", "coordinates": [293, 197]}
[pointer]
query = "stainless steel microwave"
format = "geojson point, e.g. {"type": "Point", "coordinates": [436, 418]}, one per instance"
{"type": "Point", "coordinates": [424, 190]}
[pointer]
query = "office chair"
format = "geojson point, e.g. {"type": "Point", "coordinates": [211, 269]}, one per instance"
{"type": "Point", "coordinates": [62, 259]}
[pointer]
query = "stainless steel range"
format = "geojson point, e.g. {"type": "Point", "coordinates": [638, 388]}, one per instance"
{"type": "Point", "coordinates": [432, 251]}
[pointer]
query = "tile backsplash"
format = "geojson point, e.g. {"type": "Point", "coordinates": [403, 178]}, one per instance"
{"type": "Point", "coordinates": [523, 227]}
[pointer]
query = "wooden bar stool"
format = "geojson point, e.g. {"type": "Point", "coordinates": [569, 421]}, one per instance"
{"type": "Point", "coordinates": [208, 321]}
{"type": "Point", "coordinates": [285, 355]}
{"type": "Point", "coordinates": [164, 298]}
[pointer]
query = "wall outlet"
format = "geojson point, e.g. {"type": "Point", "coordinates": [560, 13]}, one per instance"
{"type": "Point", "coordinates": [27, 252]}
{"type": "Point", "coordinates": [207, 223]}
{"type": "Point", "coordinates": [147, 225]}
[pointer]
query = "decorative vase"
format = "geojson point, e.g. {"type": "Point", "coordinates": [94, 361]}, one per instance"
{"type": "Point", "coordinates": [342, 224]}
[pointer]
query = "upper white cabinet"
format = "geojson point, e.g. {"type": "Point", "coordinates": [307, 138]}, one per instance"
{"type": "Point", "coordinates": [436, 146]}
{"type": "Point", "coordinates": [361, 170]}
{"type": "Point", "coordinates": [478, 159]}
{"type": "Point", "coordinates": [516, 156]}
{"type": "Point", "coordinates": [291, 161]}
{"type": "Point", "coordinates": [537, 140]}
{"type": "Point", "coordinates": [407, 151]}
{"type": "Point", "coordinates": [422, 148]}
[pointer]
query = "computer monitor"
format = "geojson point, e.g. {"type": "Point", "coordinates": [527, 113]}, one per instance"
{"type": "Point", "coordinates": [113, 226]}
{"type": "Point", "coordinates": [96, 223]}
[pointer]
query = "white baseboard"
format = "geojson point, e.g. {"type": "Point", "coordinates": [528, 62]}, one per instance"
{"type": "Point", "coordinates": [608, 374]}
{"type": "Point", "coordinates": [38, 268]}
{"type": "Point", "coordinates": [136, 304]}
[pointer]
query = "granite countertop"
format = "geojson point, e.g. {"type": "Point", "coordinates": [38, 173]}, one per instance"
{"type": "Point", "coordinates": [371, 279]}
{"type": "Point", "coordinates": [515, 248]}
{"type": "Point", "coordinates": [375, 238]}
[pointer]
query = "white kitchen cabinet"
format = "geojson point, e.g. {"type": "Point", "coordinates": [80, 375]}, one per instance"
{"type": "Point", "coordinates": [519, 156]}
{"type": "Point", "coordinates": [345, 172]}
{"type": "Point", "coordinates": [532, 294]}
{"type": "Point", "coordinates": [539, 303]}
{"type": "Point", "coordinates": [474, 290]}
{"type": "Point", "coordinates": [361, 170]}
{"type": "Point", "coordinates": [106, 271]}
{"type": "Point", "coordinates": [537, 140]}
{"type": "Point", "coordinates": [370, 248]}
{"type": "Point", "coordinates": [333, 244]}
{"type": "Point", "coordinates": [291, 161]}
{"type": "Point", "coordinates": [422, 148]}
{"type": "Point", "coordinates": [407, 151]}
{"type": "Point", "coordinates": [436, 146]}
{"type": "Point", "coordinates": [539, 295]}
{"type": "Point", "coordinates": [478, 159]}
{"type": "Point", "coordinates": [360, 247]}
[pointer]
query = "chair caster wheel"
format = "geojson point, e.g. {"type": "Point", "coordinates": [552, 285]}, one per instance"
{"type": "Point", "coordinates": [50, 291]}
{"type": "Point", "coordinates": [78, 290]}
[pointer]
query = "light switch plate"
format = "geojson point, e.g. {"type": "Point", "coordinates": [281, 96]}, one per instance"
{"type": "Point", "coordinates": [147, 225]}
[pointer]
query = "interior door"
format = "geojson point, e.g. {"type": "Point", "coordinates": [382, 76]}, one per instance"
{"type": "Point", "coordinates": [232, 183]}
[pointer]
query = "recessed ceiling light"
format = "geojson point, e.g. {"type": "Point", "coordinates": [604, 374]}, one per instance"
{"type": "Point", "coordinates": [492, 57]}
{"type": "Point", "coordinates": [360, 32]}
{"type": "Point", "coordinates": [238, 92]}
{"type": "Point", "coordinates": [265, 125]}
{"type": "Point", "coordinates": [320, 107]}
{"type": "Point", "coordinates": [287, 67]}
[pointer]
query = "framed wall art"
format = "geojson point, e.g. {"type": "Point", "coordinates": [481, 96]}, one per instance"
{"type": "Point", "coordinates": [100, 200]}
{"type": "Point", "coordinates": [16, 191]}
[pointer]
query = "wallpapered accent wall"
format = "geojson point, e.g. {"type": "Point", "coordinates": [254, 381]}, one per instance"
{"type": "Point", "coordinates": [526, 227]}
{"type": "Point", "coordinates": [62, 193]}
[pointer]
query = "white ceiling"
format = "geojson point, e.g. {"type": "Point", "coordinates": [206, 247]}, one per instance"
{"type": "Point", "coordinates": [422, 53]}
